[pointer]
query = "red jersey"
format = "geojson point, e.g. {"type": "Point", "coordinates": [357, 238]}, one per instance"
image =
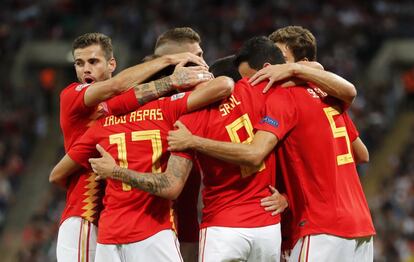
{"type": "Point", "coordinates": [314, 152]}
{"type": "Point", "coordinates": [83, 196]}
{"type": "Point", "coordinates": [231, 197]}
{"type": "Point", "coordinates": [137, 141]}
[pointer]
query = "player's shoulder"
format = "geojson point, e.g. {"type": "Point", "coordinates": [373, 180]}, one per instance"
{"type": "Point", "coordinates": [73, 87]}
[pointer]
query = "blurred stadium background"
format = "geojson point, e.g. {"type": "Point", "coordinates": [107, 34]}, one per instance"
{"type": "Point", "coordinates": [370, 43]}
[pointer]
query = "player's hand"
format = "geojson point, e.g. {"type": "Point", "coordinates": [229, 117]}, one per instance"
{"type": "Point", "coordinates": [186, 57]}
{"type": "Point", "coordinates": [187, 77]}
{"type": "Point", "coordinates": [179, 139]}
{"type": "Point", "coordinates": [103, 166]}
{"type": "Point", "coordinates": [273, 73]}
{"type": "Point", "coordinates": [276, 203]}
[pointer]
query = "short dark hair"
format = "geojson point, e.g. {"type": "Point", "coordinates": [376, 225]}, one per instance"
{"type": "Point", "coordinates": [225, 67]}
{"type": "Point", "coordinates": [89, 39]}
{"type": "Point", "coordinates": [258, 50]}
{"type": "Point", "coordinates": [179, 35]}
{"type": "Point", "coordinates": [300, 41]}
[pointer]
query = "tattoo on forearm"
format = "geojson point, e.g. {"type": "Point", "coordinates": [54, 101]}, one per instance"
{"type": "Point", "coordinates": [179, 167]}
{"type": "Point", "coordinates": [155, 183]}
{"type": "Point", "coordinates": [152, 90]}
{"type": "Point", "coordinates": [163, 86]}
{"type": "Point", "coordinates": [150, 183]}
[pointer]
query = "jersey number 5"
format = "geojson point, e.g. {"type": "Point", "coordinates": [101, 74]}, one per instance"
{"type": "Point", "coordinates": [153, 135]}
{"type": "Point", "coordinates": [236, 125]}
{"type": "Point", "coordinates": [338, 132]}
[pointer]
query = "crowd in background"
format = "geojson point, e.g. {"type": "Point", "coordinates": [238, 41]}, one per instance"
{"type": "Point", "coordinates": [348, 33]}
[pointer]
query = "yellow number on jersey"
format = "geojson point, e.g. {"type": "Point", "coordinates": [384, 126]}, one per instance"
{"type": "Point", "coordinates": [236, 125]}
{"type": "Point", "coordinates": [119, 140]}
{"type": "Point", "coordinates": [153, 135]}
{"type": "Point", "coordinates": [343, 159]}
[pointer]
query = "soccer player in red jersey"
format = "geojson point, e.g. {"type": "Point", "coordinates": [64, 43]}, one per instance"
{"type": "Point", "coordinates": [298, 45]}
{"type": "Point", "coordinates": [135, 225]}
{"type": "Point", "coordinates": [178, 40]}
{"type": "Point", "coordinates": [312, 134]}
{"type": "Point", "coordinates": [80, 105]}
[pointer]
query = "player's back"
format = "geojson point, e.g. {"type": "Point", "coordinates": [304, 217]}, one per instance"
{"type": "Point", "coordinates": [231, 197]}
{"type": "Point", "coordinates": [314, 153]}
{"type": "Point", "coordinates": [137, 141]}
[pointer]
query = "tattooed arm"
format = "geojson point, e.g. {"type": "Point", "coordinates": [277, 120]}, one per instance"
{"type": "Point", "coordinates": [168, 184]}
{"type": "Point", "coordinates": [135, 75]}
{"type": "Point", "coordinates": [183, 77]}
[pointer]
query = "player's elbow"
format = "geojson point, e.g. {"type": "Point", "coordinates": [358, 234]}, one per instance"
{"type": "Point", "coordinates": [351, 93]}
{"type": "Point", "coordinates": [56, 178]}
{"type": "Point", "coordinates": [226, 86]}
{"type": "Point", "coordinates": [254, 157]}
{"type": "Point", "coordinates": [363, 159]}
{"type": "Point", "coordinates": [53, 177]}
{"type": "Point", "coordinates": [256, 161]}
{"type": "Point", "coordinates": [172, 194]}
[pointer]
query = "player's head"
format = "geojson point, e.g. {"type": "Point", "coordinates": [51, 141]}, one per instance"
{"type": "Point", "coordinates": [93, 55]}
{"type": "Point", "coordinates": [297, 43]}
{"type": "Point", "coordinates": [178, 40]}
{"type": "Point", "coordinates": [225, 67]}
{"type": "Point", "coordinates": [256, 53]}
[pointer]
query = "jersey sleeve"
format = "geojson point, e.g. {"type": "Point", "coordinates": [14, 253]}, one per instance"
{"type": "Point", "coordinates": [72, 100]}
{"type": "Point", "coordinates": [123, 103]}
{"type": "Point", "coordinates": [350, 127]}
{"type": "Point", "coordinates": [280, 113]}
{"type": "Point", "coordinates": [85, 147]}
{"type": "Point", "coordinates": [175, 106]}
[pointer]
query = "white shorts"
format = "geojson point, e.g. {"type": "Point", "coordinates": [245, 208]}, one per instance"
{"type": "Point", "coordinates": [325, 247]}
{"type": "Point", "coordinates": [160, 247]}
{"type": "Point", "coordinates": [240, 244]}
{"type": "Point", "coordinates": [76, 240]}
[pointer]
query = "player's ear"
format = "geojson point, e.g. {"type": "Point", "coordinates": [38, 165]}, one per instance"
{"type": "Point", "coordinates": [112, 64]}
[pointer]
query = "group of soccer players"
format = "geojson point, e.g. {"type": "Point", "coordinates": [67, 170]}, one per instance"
{"type": "Point", "coordinates": [267, 137]}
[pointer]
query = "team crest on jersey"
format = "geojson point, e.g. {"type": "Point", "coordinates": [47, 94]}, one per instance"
{"type": "Point", "coordinates": [177, 96]}
{"type": "Point", "coordinates": [269, 121]}
{"type": "Point", "coordinates": [81, 86]}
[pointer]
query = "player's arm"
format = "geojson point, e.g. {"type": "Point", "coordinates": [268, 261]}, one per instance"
{"type": "Point", "coordinates": [360, 151]}
{"type": "Point", "coordinates": [251, 154]}
{"type": "Point", "coordinates": [330, 83]}
{"type": "Point", "coordinates": [168, 184]}
{"type": "Point", "coordinates": [63, 170]}
{"type": "Point", "coordinates": [134, 76]}
{"type": "Point", "coordinates": [209, 92]}
{"type": "Point", "coordinates": [183, 77]}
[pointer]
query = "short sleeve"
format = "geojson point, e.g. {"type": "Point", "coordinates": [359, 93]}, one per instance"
{"type": "Point", "coordinates": [350, 127]}
{"type": "Point", "coordinates": [72, 100]}
{"type": "Point", "coordinates": [175, 106]}
{"type": "Point", "coordinates": [280, 113]}
{"type": "Point", "coordinates": [123, 103]}
{"type": "Point", "coordinates": [85, 147]}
